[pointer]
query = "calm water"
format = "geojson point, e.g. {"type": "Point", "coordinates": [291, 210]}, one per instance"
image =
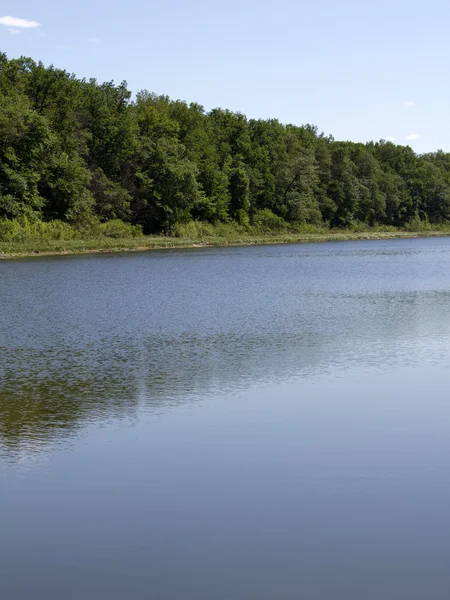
{"type": "Point", "coordinates": [247, 423]}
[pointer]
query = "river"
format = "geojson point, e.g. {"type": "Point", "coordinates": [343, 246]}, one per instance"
{"type": "Point", "coordinates": [267, 422]}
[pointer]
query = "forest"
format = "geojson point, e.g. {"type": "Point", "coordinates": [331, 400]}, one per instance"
{"type": "Point", "coordinates": [79, 155]}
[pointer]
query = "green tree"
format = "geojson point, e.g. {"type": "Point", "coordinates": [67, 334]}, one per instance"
{"type": "Point", "coordinates": [82, 151]}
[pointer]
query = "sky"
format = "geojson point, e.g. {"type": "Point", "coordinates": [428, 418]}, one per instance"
{"type": "Point", "coordinates": [360, 70]}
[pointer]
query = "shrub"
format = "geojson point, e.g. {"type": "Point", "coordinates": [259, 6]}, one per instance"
{"type": "Point", "coordinates": [24, 230]}
{"type": "Point", "coordinates": [193, 230]}
{"type": "Point", "coordinates": [265, 221]}
{"type": "Point", "coordinates": [118, 229]}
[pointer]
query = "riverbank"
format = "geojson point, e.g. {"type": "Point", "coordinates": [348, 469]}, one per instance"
{"type": "Point", "coordinates": [142, 243]}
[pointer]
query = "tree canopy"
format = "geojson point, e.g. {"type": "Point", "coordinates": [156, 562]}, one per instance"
{"type": "Point", "coordinates": [75, 150]}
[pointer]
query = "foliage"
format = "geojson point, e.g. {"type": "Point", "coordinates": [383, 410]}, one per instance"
{"type": "Point", "coordinates": [80, 157]}
{"type": "Point", "coordinates": [24, 230]}
{"type": "Point", "coordinates": [266, 221]}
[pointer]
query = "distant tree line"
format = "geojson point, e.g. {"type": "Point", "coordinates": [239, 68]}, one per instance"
{"type": "Point", "coordinates": [75, 150]}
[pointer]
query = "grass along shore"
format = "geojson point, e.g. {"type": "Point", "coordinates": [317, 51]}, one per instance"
{"type": "Point", "coordinates": [195, 235]}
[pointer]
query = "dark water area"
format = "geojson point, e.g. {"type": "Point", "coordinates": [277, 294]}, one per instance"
{"type": "Point", "coordinates": [266, 422]}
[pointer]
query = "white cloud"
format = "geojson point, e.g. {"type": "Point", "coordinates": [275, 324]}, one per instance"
{"type": "Point", "coordinates": [390, 138]}
{"type": "Point", "coordinates": [41, 33]}
{"type": "Point", "coordinates": [409, 103]}
{"type": "Point", "coordinates": [94, 40]}
{"type": "Point", "coordinates": [13, 31]}
{"type": "Point", "coordinates": [382, 106]}
{"type": "Point", "coordinates": [412, 136]}
{"type": "Point", "coordinates": [16, 22]}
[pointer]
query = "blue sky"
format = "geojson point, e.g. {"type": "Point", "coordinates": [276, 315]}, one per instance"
{"type": "Point", "coordinates": [358, 70]}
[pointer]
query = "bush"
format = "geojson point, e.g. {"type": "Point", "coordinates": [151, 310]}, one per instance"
{"type": "Point", "coordinates": [199, 230]}
{"type": "Point", "coordinates": [24, 230]}
{"type": "Point", "coordinates": [193, 230]}
{"type": "Point", "coordinates": [118, 229]}
{"type": "Point", "coordinates": [417, 224]}
{"type": "Point", "coordinates": [265, 221]}
{"type": "Point", "coordinates": [309, 228]}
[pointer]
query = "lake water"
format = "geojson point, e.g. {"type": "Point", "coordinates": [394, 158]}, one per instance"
{"type": "Point", "coordinates": [265, 422]}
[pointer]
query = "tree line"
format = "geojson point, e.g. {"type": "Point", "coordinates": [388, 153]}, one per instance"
{"type": "Point", "coordinates": [79, 151]}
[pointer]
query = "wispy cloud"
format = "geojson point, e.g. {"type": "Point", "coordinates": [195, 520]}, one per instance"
{"type": "Point", "coordinates": [62, 47]}
{"type": "Point", "coordinates": [41, 33]}
{"type": "Point", "coordinates": [412, 136]}
{"type": "Point", "coordinates": [15, 22]}
{"type": "Point", "coordinates": [409, 103]}
{"type": "Point", "coordinates": [94, 40]}
{"type": "Point", "coordinates": [390, 138]}
{"type": "Point", "coordinates": [382, 106]}
{"type": "Point", "coordinates": [13, 31]}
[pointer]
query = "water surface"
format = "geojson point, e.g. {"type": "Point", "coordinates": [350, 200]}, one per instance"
{"type": "Point", "coordinates": [260, 423]}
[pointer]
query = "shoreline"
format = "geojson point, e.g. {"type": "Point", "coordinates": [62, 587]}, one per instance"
{"type": "Point", "coordinates": [11, 250]}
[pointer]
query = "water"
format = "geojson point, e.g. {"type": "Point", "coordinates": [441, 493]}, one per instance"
{"type": "Point", "coordinates": [247, 423]}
